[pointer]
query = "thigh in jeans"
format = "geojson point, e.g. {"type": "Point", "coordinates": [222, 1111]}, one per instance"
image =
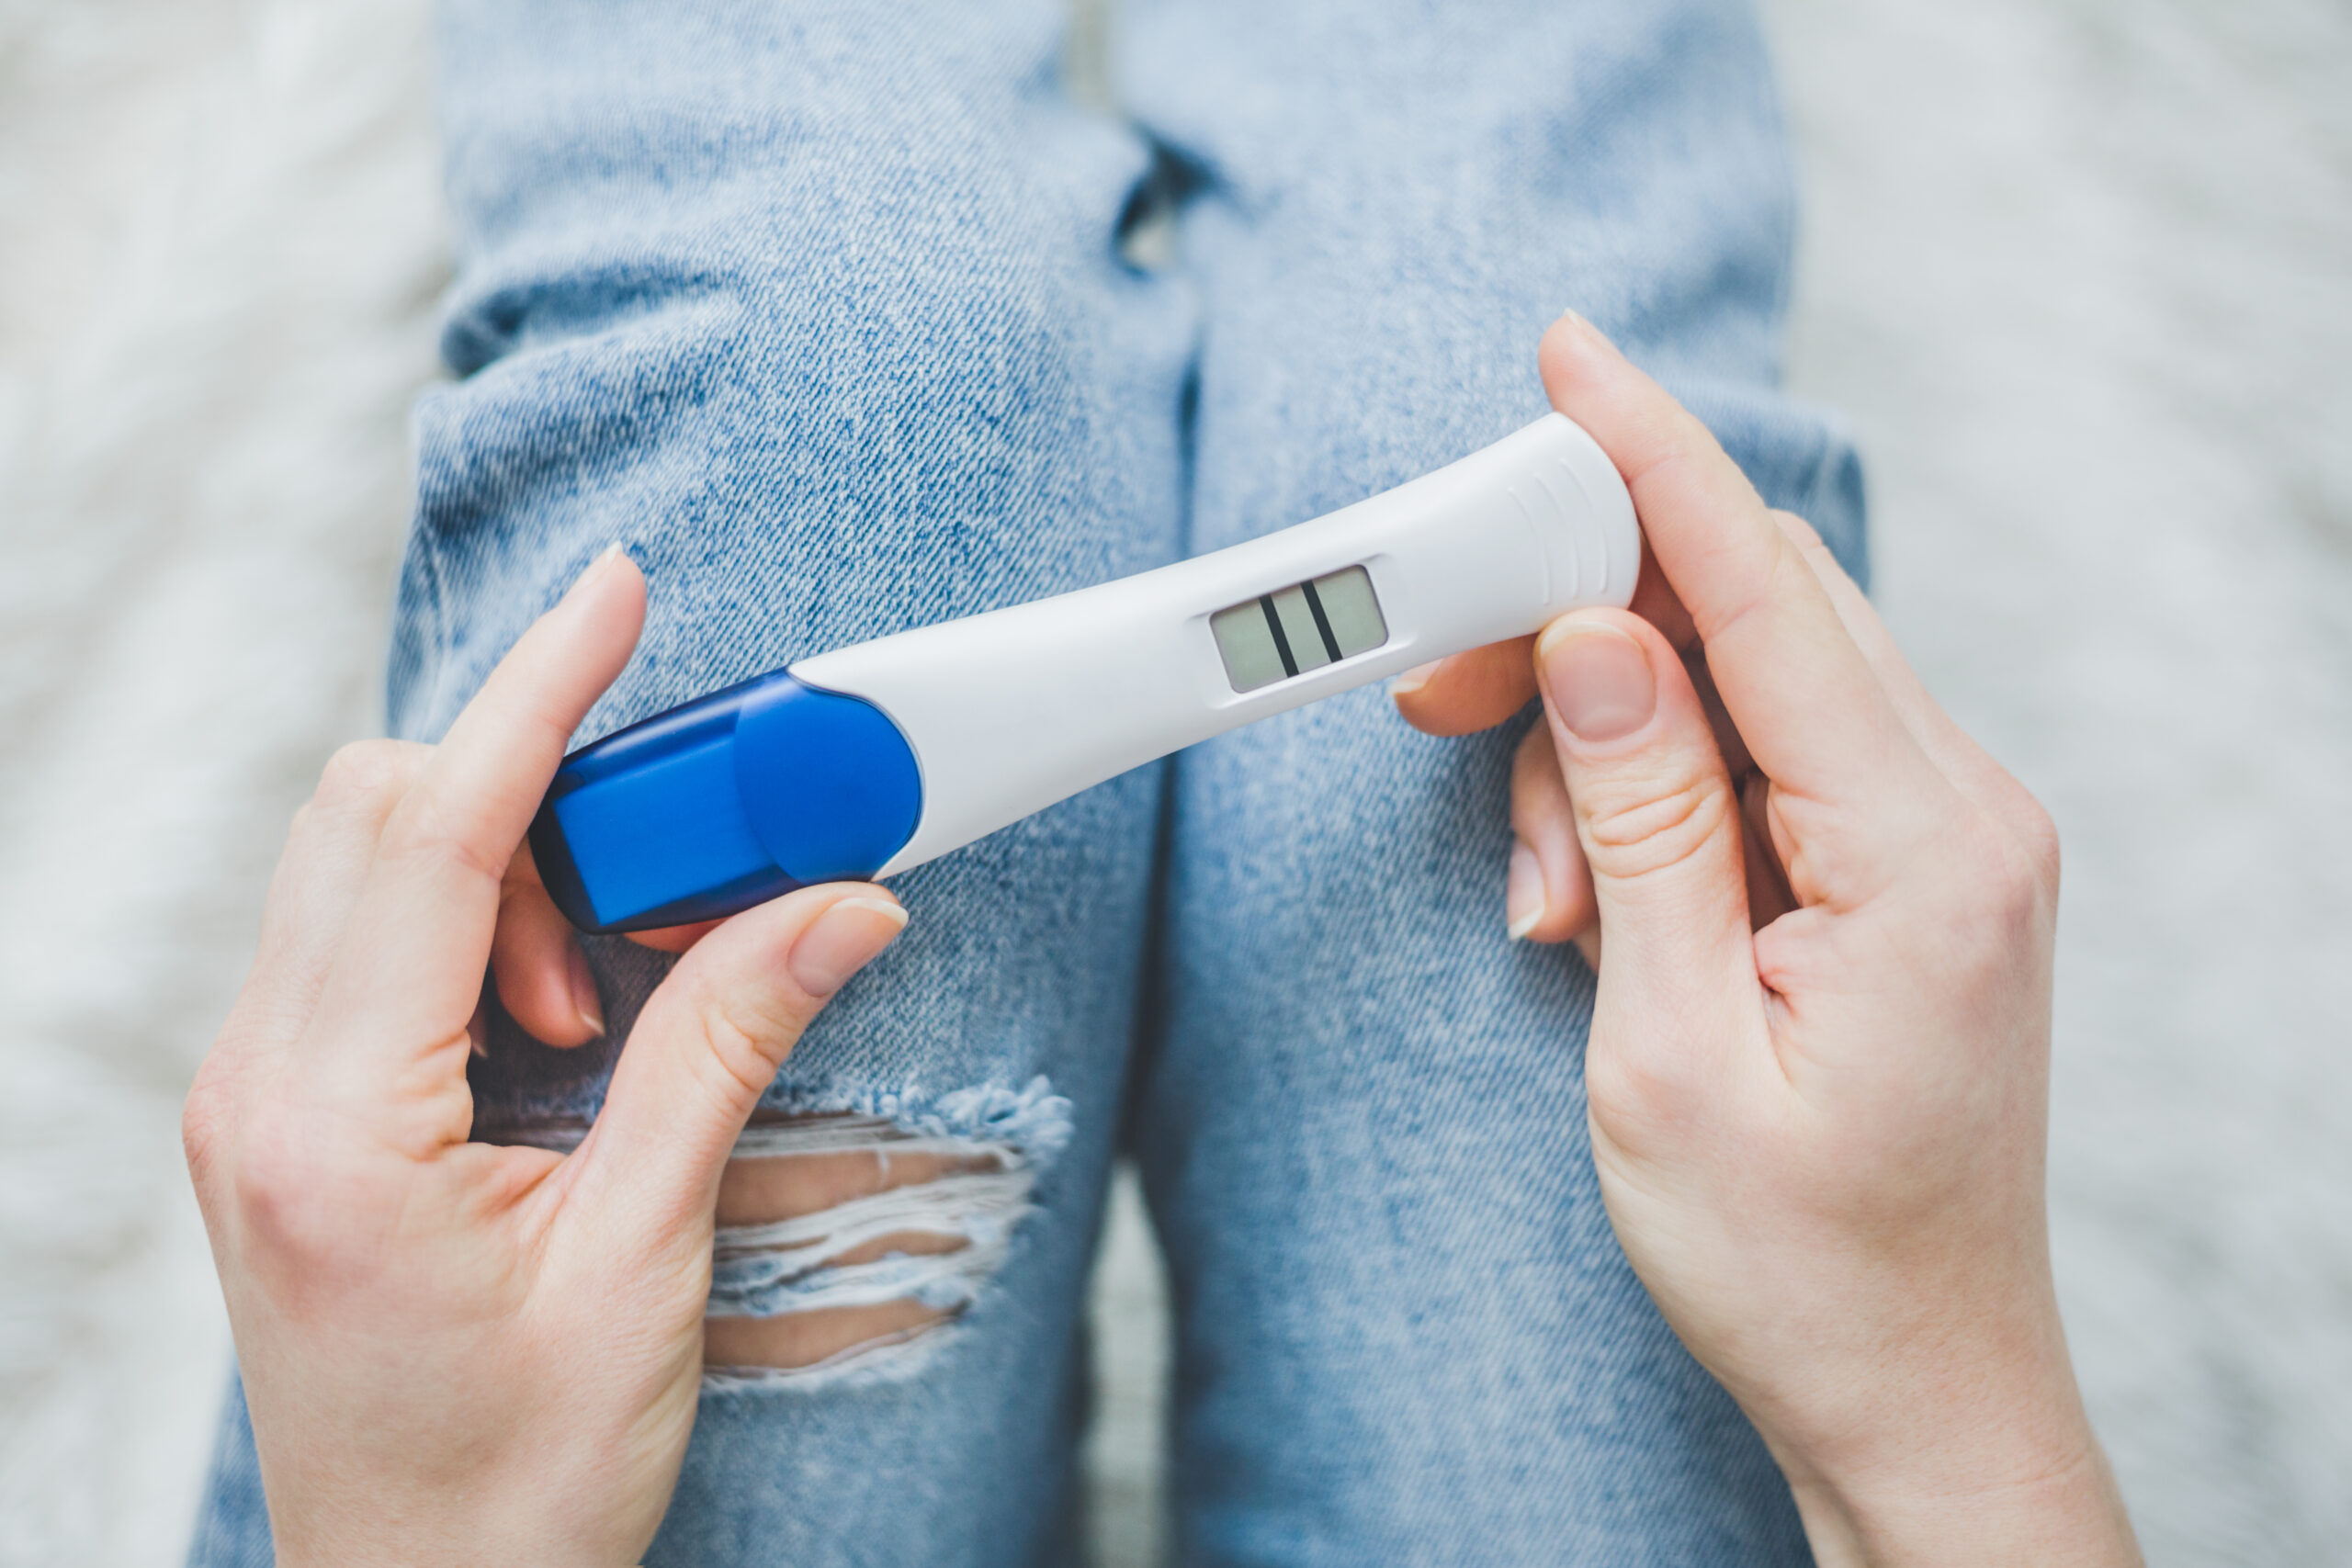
{"type": "Point", "coordinates": [1409, 1334]}
{"type": "Point", "coordinates": [817, 307]}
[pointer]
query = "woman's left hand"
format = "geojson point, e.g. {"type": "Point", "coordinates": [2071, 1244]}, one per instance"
{"type": "Point", "coordinates": [1817, 1073]}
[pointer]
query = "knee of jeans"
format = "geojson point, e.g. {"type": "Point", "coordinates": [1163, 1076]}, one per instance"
{"type": "Point", "coordinates": [849, 1240]}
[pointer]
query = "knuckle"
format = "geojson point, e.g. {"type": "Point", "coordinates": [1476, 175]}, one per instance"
{"type": "Point", "coordinates": [224, 1080]}
{"type": "Point", "coordinates": [748, 1036]}
{"type": "Point", "coordinates": [1648, 832]}
{"type": "Point", "coordinates": [204, 1125]}
{"type": "Point", "coordinates": [365, 771]}
{"type": "Point", "coordinates": [1804, 534]}
{"type": "Point", "coordinates": [2018, 888]}
{"type": "Point", "coordinates": [287, 1197]}
{"type": "Point", "coordinates": [2036, 830]}
{"type": "Point", "coordinates": [427, 828]}
{"type": "Point", "coordinates": [1810, 551]}
{"type": "Point", "coordinates": [2008, 900]}
{"type": "Point", "coordinates": [1640, 1094]}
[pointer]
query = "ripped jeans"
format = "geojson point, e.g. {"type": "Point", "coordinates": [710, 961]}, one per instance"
{"type": "Point", "coordinates": [830, 311]}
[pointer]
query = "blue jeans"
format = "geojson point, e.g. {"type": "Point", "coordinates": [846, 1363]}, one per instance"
{"type": "Point", "coordinates": [822, 309]}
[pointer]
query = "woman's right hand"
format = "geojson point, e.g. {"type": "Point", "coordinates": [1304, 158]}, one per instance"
{"type": "Point", "coordinates": [1819, 1059]}
{"type": "Point", "coordinates": [458, 1352]}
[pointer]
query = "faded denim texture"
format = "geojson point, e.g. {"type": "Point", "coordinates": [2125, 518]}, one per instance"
{"type": "Point", "coordinates": [822, 309]}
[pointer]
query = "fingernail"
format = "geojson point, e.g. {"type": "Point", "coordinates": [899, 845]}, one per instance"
{"type": "Point", "coordinates": [584, 1000]}
{"type": "Point", "coordinates": [1584, 327]}
{"type": "Point", "coordinates": [604, 558]}
{"type": "Point", "coordinates": [842, 941]}
{"type": "Point", "coordinates": [1598, 679]}
{"type": "Point", "coordinates": [1412, 680]}
{"type": "Point", "coordinates": [1523, 891]}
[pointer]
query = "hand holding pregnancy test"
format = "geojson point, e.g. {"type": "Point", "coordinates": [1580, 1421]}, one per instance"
{"type": "Point", "coordinates": [456, 1352]}
{"type": "Point", "coordinates": [1820, 1142]}
{"type": "Point", "coordinates": [1818, 1067]}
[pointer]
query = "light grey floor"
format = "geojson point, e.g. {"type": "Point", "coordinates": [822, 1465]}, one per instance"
{"type": "Point", "coordinates": [2081, 272]}
{"type": "Point", "coordinates": [2076, 269]}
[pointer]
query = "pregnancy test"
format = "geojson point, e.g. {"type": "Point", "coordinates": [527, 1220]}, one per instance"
{"type": "Point", "coordinates": [866, 760]}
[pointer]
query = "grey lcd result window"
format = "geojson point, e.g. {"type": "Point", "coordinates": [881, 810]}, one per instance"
{"type": "Point", "coordinates": [1298, 628]}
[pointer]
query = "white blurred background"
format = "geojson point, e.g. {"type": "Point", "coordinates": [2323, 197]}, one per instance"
{"type": "Point", "coordinates": [2080, 271]}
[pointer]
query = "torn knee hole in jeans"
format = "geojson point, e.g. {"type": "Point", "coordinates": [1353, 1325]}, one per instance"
{"type": "Point", "coordinates": [850, 1231]}
{"type": "Point", "coordinates": [843, 1238]}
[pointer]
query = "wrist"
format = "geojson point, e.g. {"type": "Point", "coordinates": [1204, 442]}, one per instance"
{"type": "Point", "coordinates": [2030, 1484]}
{"type": "Point", "coordinates": [365, 1528]}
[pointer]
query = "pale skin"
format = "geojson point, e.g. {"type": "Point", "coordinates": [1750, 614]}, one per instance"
{"type": "Point", "coordinates": [1817, 1072]}
{"type": "Point", "coordinates": [456, 1353]}
{"type": "Point", "coordinates": [1822, 919]}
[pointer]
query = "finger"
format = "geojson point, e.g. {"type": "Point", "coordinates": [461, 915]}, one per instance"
{"type": "Point", "coordinates": [1946, 744]}
{"type": "Point", "coordinates": [329, 847]}
{"type": "Point", "coordinates": [1769, 896]}
{"type": "Point", "coordinates": [675, 939]}
{"type": "Point", "coordinates": [1955, 754]}
{"type": "Point", "coordinates": [1469, 692]}
{"type": "Point", "coordinates": [1547, 894]}
{"type": "Point", "coordinates": [1656, 602]}
{"type": "Point", "coordinates": [421, 934]}
{"type": "Point", "coordinates": [543, 978]}
{"type": "Point", "coordinates": [1737, 759]}
{"type": "Point", "coordinates": [709, 1041]}
{"type": "Point", "coordinates": [1657, 816]}
{"type": "Point", "coordinates": [1791, 676]}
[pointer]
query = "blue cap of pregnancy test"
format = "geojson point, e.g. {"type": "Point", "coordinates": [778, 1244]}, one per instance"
{"type": "Point", "coordinates": [723, 802]}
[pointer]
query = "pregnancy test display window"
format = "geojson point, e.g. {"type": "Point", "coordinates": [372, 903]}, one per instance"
{"type": "Point", "coordinates": [1298, 628]}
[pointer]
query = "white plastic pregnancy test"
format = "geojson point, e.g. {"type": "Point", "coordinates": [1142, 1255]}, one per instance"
{"type": "Point", "coordinates": [871, 758]}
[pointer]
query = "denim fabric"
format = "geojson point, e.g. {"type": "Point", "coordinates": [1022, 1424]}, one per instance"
{"type": "Point", "coordinates": [822, 309]}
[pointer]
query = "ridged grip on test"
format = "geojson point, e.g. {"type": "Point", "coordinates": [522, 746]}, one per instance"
{"type": "Point", "coordinates": [724, 802]}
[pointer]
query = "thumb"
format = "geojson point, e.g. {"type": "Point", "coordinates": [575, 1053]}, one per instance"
{"type": "Point", "coordinates": [709, 1041]}
{"type": "Point", "coordinates": [1655, 813]}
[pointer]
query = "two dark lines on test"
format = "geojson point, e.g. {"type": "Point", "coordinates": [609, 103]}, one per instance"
{"type": "Point", "coordinates": [1282, 638]}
